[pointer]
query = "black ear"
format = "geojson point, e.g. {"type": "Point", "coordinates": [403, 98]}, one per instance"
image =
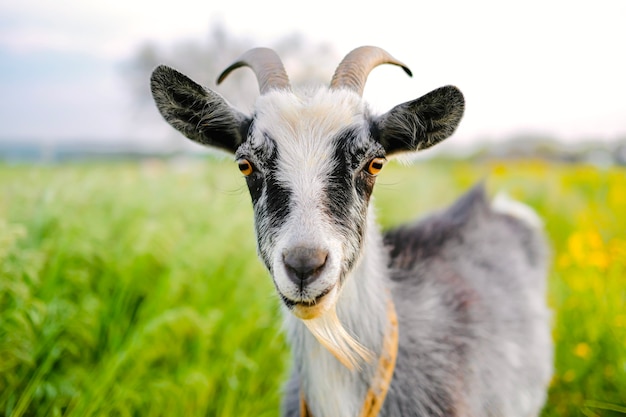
{"type": "Point", "coordinates": [200, 114]}
{"type": "Point", "coordinates": [421, 123]}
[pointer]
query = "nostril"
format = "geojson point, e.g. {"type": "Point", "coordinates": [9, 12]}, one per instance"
{"type": "Point", "coordinates": [304, 263]}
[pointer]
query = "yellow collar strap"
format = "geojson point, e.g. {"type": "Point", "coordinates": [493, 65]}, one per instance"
{"type": "Point", "coordinates": [382, 379]}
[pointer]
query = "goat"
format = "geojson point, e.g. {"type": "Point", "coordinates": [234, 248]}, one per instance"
{"type": "Point", "coordinates": [452, 306]}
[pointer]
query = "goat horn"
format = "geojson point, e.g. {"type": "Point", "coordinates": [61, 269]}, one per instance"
{"type": "Point", "coordinates": [353, 70]}
{"type": "Point", "coordinates": [267, 67]}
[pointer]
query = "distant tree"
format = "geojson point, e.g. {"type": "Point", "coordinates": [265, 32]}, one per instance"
{"type": "Point", "coordinates": [203, 61]}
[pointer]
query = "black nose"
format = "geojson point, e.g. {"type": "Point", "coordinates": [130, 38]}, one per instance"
{"type": "Point", "coordinates": [303, 264]}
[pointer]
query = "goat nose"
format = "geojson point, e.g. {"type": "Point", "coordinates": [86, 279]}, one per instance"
{"type": "Point", "coordinates": [304, 264]}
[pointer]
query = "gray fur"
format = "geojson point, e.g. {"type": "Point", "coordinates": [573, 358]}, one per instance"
{"type": "Point", "coordinates": [421, 123]}
{"type": "Point", "coordinates": [200, 114]}
{"type": "Point", "coordinates": [468, 283]}
{"type": "Point", "coordinates": [485, 348]}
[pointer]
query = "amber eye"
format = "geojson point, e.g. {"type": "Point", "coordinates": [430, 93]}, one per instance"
{"type": "Point", "coordinates": [245, 167]}
{"type": "Point", "coordinates": [375, 166]}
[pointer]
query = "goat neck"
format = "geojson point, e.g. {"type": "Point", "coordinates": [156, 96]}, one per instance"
{"type": "Point", "coordinates": [328, 387]}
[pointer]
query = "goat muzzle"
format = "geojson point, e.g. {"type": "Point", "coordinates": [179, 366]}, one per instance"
{"type": "Point", "coordinates": [304, 265]}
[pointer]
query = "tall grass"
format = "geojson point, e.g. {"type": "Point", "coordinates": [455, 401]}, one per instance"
{"type": "Point", "coordinates": [134, 289]}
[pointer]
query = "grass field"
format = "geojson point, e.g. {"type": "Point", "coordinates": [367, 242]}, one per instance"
{"type": "Point", "coordinates": [134, 289]}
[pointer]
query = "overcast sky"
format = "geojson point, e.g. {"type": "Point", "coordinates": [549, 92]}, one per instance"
{"type": "Point", "coordinates": [549, 67]}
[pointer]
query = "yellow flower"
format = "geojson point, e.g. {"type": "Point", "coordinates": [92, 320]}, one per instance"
{"type": "Point", "coordinates": [582, 350]}
{"type": "Point", "coordinates": [576, 247]}
{"type": "Point", "coordinates": [617, 194]}
{"type": "Point", "coordinates": [499, 169]}
{"type": "Point", "coordinates": [617, 250]}
{"type": "Point", "coordinates": [598, 259]}
{"type": "Point", "coordinates": [586, 248]}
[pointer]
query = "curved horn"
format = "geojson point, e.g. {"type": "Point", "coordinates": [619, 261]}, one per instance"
{"type": "Point", "coordinates": [352, 72]}
{"type": "Point", "coordinates": [267, 66]}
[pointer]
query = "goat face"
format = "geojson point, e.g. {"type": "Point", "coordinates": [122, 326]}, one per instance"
{"type": "Point", "coordinates": [310, 161]}
{"type": "Point", "coordinates": [307, 164]}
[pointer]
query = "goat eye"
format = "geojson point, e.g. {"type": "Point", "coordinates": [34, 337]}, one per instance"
{"type": "Point", "coordinates": [245, 167]}
{"type": "Point", "coordinates": [375, 166]}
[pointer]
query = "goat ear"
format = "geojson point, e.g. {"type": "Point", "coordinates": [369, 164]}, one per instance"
{"type": "Point", "coordinates": [200, 114]}
{"type": "Point", "coordinates": [421, 123]}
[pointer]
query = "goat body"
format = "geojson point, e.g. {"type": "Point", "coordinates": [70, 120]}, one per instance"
{"type": "Point", "coordinates": [468, 284]}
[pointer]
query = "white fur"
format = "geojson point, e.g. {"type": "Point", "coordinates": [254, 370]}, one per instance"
{"type": "Point", "coordinates": [303, 127]}
{"type": "Point", "coordinates": [503, 203]}
{"type": "Point", "coordinates": [333, 390]}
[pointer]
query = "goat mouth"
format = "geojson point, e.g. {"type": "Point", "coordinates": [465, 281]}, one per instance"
{"type": "Point", "coordinates": [309, 309]}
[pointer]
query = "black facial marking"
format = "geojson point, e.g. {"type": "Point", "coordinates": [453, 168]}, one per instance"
{"type": "Point", "coordinates": [350, 186]}
{"type": "Point", "coordinates": [272, 212]}
{"type": "Point", "coordinates": [278, 198]}
{"type": "Point", "coordinates": [255, 182]}
{"type": "Point", "coordinates": [244, 127]}
{"type": "Point", "coordinates": [339, 188]}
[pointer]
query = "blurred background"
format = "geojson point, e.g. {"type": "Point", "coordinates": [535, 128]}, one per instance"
{"type": "Point", "coordinates": [74, 74]}
{"type": "Point", "coordinates": [129, 283]}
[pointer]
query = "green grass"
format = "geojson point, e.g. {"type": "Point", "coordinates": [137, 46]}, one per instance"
{"type": "Point", "coordinates": [134, 289]}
